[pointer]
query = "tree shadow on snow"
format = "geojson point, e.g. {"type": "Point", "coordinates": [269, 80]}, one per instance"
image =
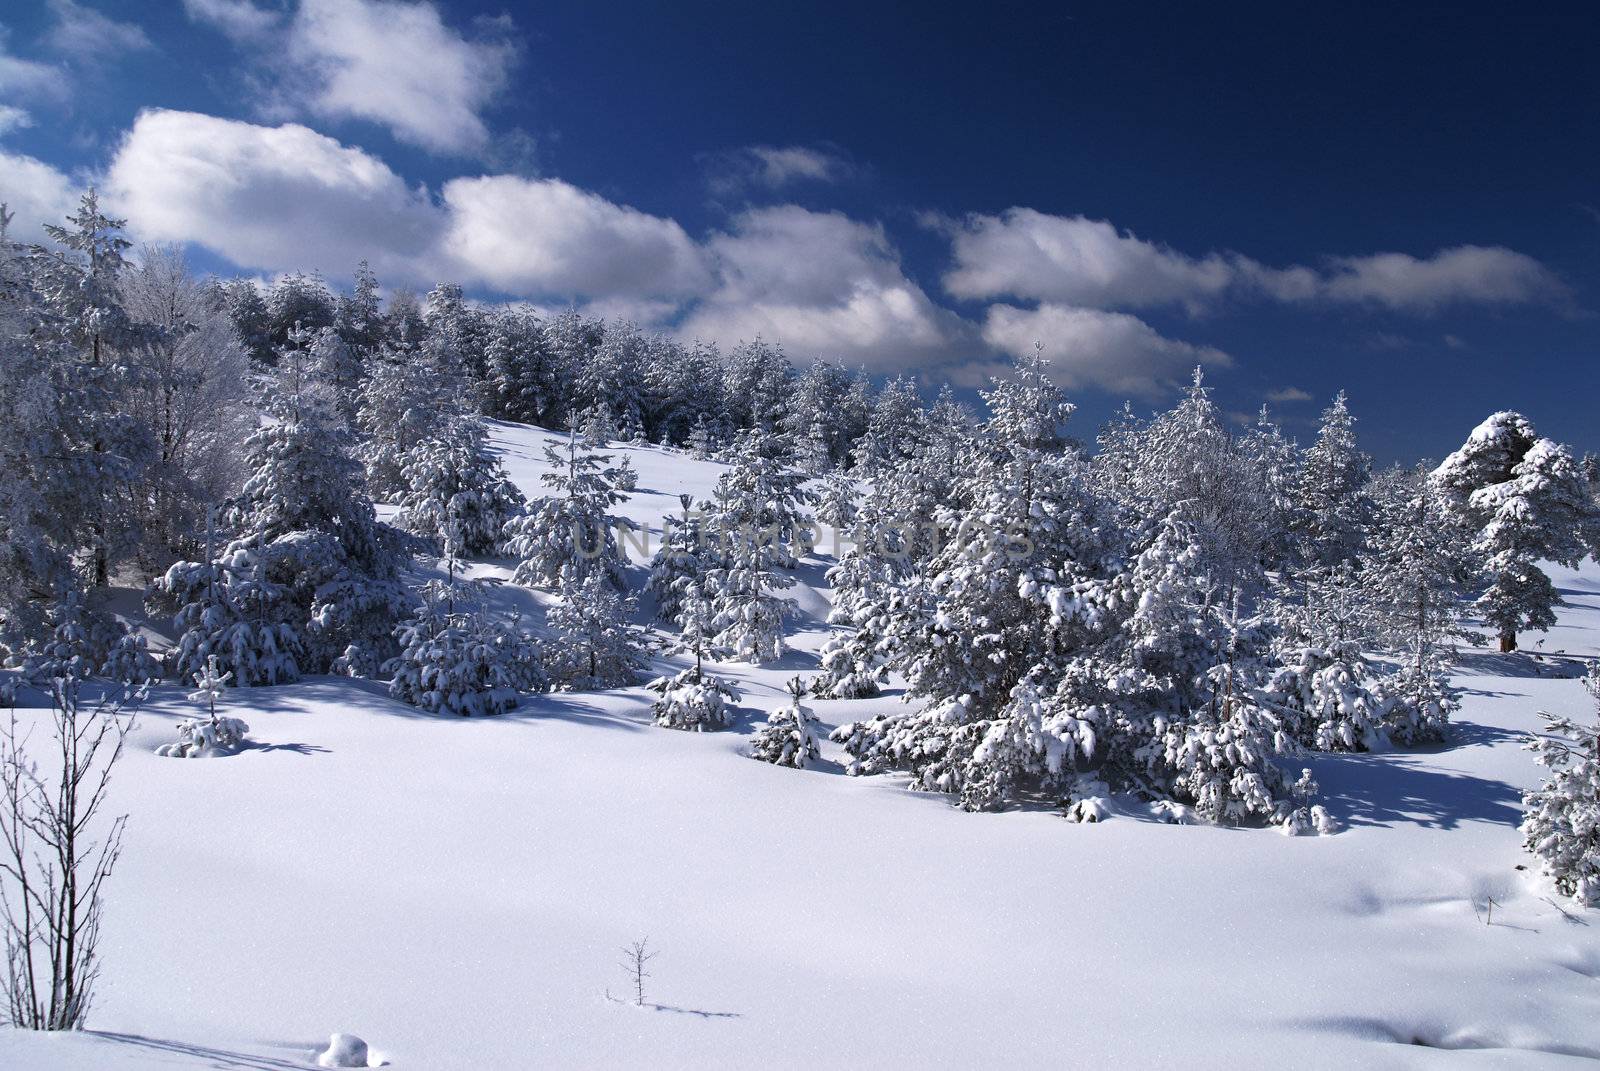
{"type": "Point", "coordinates": [293, 749]}
{"type": "Point", "coordinates": [1472, 734]}
{"type": "Point", "coordinates": [218, 1058]}
{"type": "Point", "coordinates": [1392, 789]}
{"type": "Point", "coordinates": [1522, 664]}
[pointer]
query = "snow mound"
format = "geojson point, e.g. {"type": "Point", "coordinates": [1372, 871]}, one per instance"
{"type": "Point", "coordinates": [344, 1050]}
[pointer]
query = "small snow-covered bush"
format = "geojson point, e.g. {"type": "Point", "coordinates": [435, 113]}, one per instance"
{"type": "Point", "coordinates": [627, 476]}
{"type": "Point", "coordinates": [1562, 826]}
{"type": "Point", "coordinates": [790, 736]}
{"type": "Point", "coordinates": [205, 737]}
{"type": "Point", "coordinates": [692, 700]}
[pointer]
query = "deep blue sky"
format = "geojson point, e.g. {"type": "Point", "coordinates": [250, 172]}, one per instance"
{"type": "Point", "coordinates": [1286, 135]}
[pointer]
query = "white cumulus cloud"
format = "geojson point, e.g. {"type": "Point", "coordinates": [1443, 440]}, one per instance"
{"type": "Point", "coordinates": [823, 285]}
{"type": "Point", "coordinates": [396, 63]}
{"type": "Point", "coordinates": [270, 198]}
{"type": "Point", "coordinates": [35, 194]}
{"type": "Point", "coordinates": [1114, 351]}
{"type": "Point", "coordinates": [533, 237]}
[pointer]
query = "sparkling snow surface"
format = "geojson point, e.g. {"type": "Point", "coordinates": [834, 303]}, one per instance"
{"type": "Point", "coordinates": [458, 893]}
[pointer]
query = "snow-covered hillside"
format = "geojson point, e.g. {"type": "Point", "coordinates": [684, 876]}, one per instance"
{"type": "Point", "coordinates": [458, 892]}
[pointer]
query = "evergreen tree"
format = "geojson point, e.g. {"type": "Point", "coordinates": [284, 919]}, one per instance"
{"type": "Point", "coordinates": [1330, 502]}
{"type": "Point", "coordinates": [459, 657]}
{"type": "Point", "coordinates": [213, 734]}
{"type": "Point", "coordinates": [570, 534]}
{"type": "Point", "coordinates": [403, 404]}
{"type": "Point", "coordinates": [78, 283]}
{"type": "Point", "coordinates": [1542, 511]}
{"type": "Point", "coordinates": [789, 738]}
{"type": "Point", "coordinates": [358, 315]}
{"type": "Point", "coordinates": [756, 521]}
{"type": "Point", "coordinates": [593, 645]}
{"type": "Point", "coordinates": [1562, 824]}
{"type": "Point", "coordinates": [522, 376]}
{"type": "Point", "coordinates": [309, 573]}
{"type": "Point", "coordinates": [458, 492]}
{"type": "Point", "coordinates": [685, 554]}
{"type": "Point", "coordinates": [1414, 575]}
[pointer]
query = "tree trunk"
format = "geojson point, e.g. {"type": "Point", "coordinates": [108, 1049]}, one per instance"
{"type": "Point", "coordinates": [1508, 642]}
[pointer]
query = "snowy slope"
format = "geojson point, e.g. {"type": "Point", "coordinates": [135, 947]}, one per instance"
{"type": "Point", "coordinates": [457, 892]}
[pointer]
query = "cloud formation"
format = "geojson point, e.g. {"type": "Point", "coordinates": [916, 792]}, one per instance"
{"type": "Point", "coordinates": [824, 285]}
{"type": "Point", "coordinates": [270, 198]}
{"type": "Point", "coordinates": [1074, 260]}
{"type": "Point", "coordinates": [772, 167]}
{"type": "Point", "coordinates": [1113, 351]}
{"type": "Point", "coordinates": [25, 79]}
{"type": "Point", "coordinates": [391, 62]}
{"type": "Point", "coordinates": [35, 194]}
{"type": "Point", "coordinates": [82, 31]}
{"type": "Point", "coordinates": [548, 237]}
{"type": "Point", "coordinates": [238, 19]}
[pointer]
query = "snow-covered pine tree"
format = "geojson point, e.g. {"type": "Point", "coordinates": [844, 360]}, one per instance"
{"type": "Point", "coordinates": [894, 429]}
{"type": "Point", "coordinates": [598, 426]}
{"type": "Point", "coordinates": [90, 339]}
{"type": "Point", "coordinates": [338, 367]}
{"type": "Point", "coordinates": [1185, 460]}
{"type": "Point", "coordinates": [1274, 461]}
{"type": "Point", "coordinates": [1414, 575]}
{"type": "Point", "coordinates": [693, 701]}
{"type": "Point", "coordinates": [1519, 498]}
{"type": "Point", "coordinates": [627, 476]}
{"type": "Point", "coordinates": [1562, 824]}
{"type": "Point", "coordinates": [760, 497]}
{"type": "Point", "coordinates": [593, 645]}
{"type": "Point", "coordinates": [230, 610]}
{"type": "Point", "coordinates": [522, 377]}
{"type": "Point", "coordinates": [1331, 504]}
{"type": "Point", "coordinates": [570, 534]}
{"type": "Point", "coordinates": [310, 572]}
{"type": "Point", "coordinates": [838, 503]}
{"type": "Point", "coordinates": [1328, 694]}
{"type": "Point", "coordinates": [685, 554]}
{"type": "Point", "coordinates": [756, 524]}
{"type": "Point", "coordinates": [457, 491]}
{"type": "Point", "coordinates": [756, 386]}
{"type": "Point", "coordinates": [789, 738]}
{"type": "Point", "coordinates": [358, 315]}
{"type": "Point", "coordinates": [457, 656]}
{"type": "Point", "coordinates": [702, 439]}
{"type": "Point", "coordinates": [1542, 511]}
{"type": "Point", "coordinates": [864, 582]}
{"type": "Point", "coordinates": [403, 402]}
{"type": "Point", "coordinates": [213, 734]}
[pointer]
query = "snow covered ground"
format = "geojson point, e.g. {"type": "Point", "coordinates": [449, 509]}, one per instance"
{"type": "Point", "coordinates": [458, 892]}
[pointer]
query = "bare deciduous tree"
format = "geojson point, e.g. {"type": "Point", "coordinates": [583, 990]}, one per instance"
{"type": "Point", "coordinates": [635, 957]}
{"type": "Point", "coordinates": [55, 855]}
